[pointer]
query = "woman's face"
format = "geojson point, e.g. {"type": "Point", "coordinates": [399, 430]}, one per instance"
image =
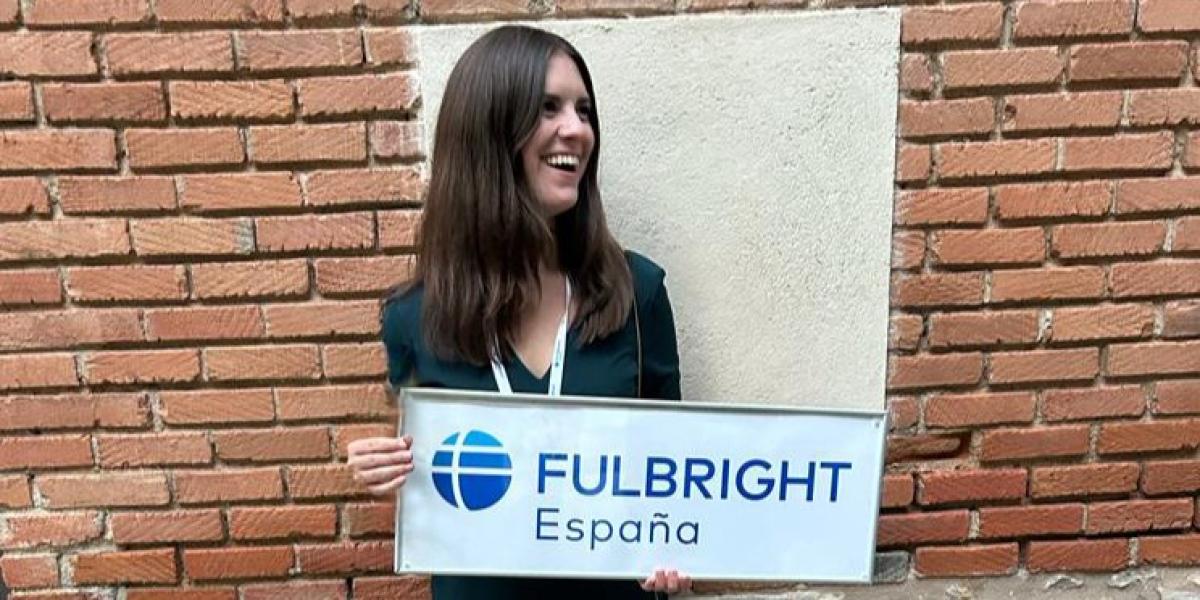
{"type": "Point", "coordinates": [557, 152]}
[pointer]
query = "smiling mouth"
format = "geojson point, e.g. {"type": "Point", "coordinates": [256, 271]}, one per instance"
{"type": "Point", "coordinates": [563, 162]}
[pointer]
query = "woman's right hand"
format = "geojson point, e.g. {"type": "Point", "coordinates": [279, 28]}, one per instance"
{"type": "Point", "coordinates": [382, 463]}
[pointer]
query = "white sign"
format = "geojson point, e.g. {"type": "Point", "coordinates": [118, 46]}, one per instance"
{"type": "Point", "coordinates": [605, 488]}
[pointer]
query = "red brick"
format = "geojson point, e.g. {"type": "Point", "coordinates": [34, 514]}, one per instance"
{"type": "Point", "coordinates": [1026, 521]}
{"type": "Point", "coordinates": [908, 249]}
{"type": "Point", "coordinates": [225, 11]}
{"type": "Point", "coordinates": [379, 518]}
{"type": "Point", "coordinates": [133, 282]}
{"type": "Point", "coordinates": [1052, 200]}
{"type": "Point", "coordinates": [389, 46]}
{"type": "Point", "coordinates": [272, 445]}
{"type": "Point", "coordinates": [29, 570]}
{"type": "Point", "coordinates": [576, 8]}
{"type": "Point", "coordinates": [334, 402]}
{"type": "Point", "coordinates": [1177, 397]}
{"type": "Point", "coordinates": [934, 370]}
{"type": "Point", "coordinates": [325, 481]}
{"type": "Point", "coordinates": [969, 410]}
{"type": "Point", "coordinates": [392, 186]}
{"type": "Point", "coordinates": [23, 195]}
{"type": "Point", "coordinates": [1078, 555]}
{"type": "Point", "coordinates": [361, 276]}
{"type": "Point", "coordinates": [322, 319]}
{"type": "Point", "coordinates": [957, 330]}
{"type": "Point", "coordinates": [977, 560]}
{"type": "Point", "coordinates": [1084, 480]}
{"type": "Point", "coordinates": [95, 12]}
{"type": "Point", "coordinates": [1056, 112]}
{"type": "Point", "coordinates": [942, 206]}
{"type": "Point", "coordinates": [284, 50]}
{"type": "Point", "coordinates": [157, 148]}
{"type": "Point", "coordinates": [296, 590]}
{"type": "Point", "coordinates": [45, 451]}
{"type": "Point", "coordinates": [1136, 61]}
{"type": "Point", "coordinates": [229, 100]}
{"type": "Point", "coordinates": [282, 522]}
{"type": "Point", "coordinates": [14, 492]}
{"type": "Point", "coordinates": [74, 411]}
{"type": "Point", "coordinates": [1191, 158]}
{"type": "Point", "coordinates": [326, 10]}
{"type": "Point", "coordinates": [1171, 477]}
{"type": "Point", "coordinates": [940, 118]}
{"type": "Point", "coordinates": [979, 22]}
{"type": "Point", "coordinates": [1158, 195]}
{"type": "Point", "coordinates": [228, 485]}
{"type": "Point", "coordinates": [991, 159]}
{"type": "Point", "coordinates": [1115, 321]}
{"type": "Point", "coordinates": [192, 236]}
{"type": "Point", "coordinates": [1168, 15]}
{"type": "Point", "coordinates": [34, 286]}
{"type": "Point", "coordinates": [196, 593]}
{"type": "Point", "coordinates": [386, 588]}
{"type": "Point", "coordinates": [345, 434]}
{"type": "Point", "coordinates": [16, 101]}
{"type": "Point", "coordinates": [904, 332]}
{"type": "Point", "coordinates": [911, 528]}
{"type": "Point", "coordinates": [47, 54]}
{"type": "Point", "coordinates": [449, 10]}
{"type": "Point", "coordinates": [1041, 442]}
{"type": "Point", "coordinates": [84, 195]}
{"type": "Point", "coordinates": [1155, 279]}
{"type": "Point", "coordinates": [29, 149]}
{"type": "Point", "coordinates": [398, 228]}
{"type": "Point", "coordinates": [342, 231]}
{"type": "Point", "coordinates": [1071, 283]}
{"type": "Point", "coordinates": [903, 412]}
{"type": "Point", "coordinates": [1187, 235]}
{"type": "Point", "coordinates": [1150, 436]}
{"type": "Point", "coordinates": [106, 490]}
{"type": "Point", "coordinates": [51, 529]}
{"type": "Point", "coordinates": [1149, 152]}
{"type": "Point", "coordinates": [204, 323]}
{"type": "Point", "coordinates": [72, 102]}
{"type": "Point", "coordinates": [1182, 319]}
{"type": "Point", "coordinates": [237, 563]}
{"type": "Point", "coordinates": [938, 289]}
{"type": "Point", "coordinates": [63, 239]}
{"type": "Point", "coordinates": [1153, 358]}
{"type": "Point", "coordinates": [196, 52]}
{"type": "Point", "coordinates": [37, 371]}
{"type": "Point", "coordinates": [913, 163]}
{"type": "Point", "coordinates": [345, 557]}
{"type": "Point", "coordinates": [167, 527]}
{"type": "Point", "coordinates": [265, 279]}
{"type": "Point", "coordinates": [1048, 19]}
{"type": "Point", "coordinates": [155, 449]}
{"type": "Point", "coordinates": [1001, 68]}
{"type": "Point", "coordinates": [916, 75]}
{"type": "Point", "coordinates": [278, 144]}
{"type": "Point", "coordinates": [396, 140]}
{"type": "Point", "coordinates": [240, 191]}
{"type": "Point", "coordinates": [897, 491]}
{"type": "Point", "coordinates": [296, 361]}
{"type": "Point", "coordinates": [971, 486]}
{"type": "Point", "coordinates": [1139, 515]}
{"type": "Point", "coordinates": [1170, 550]}
{"type": "Point", "coordinates": [1044, 365]}
{"type": "Point", "coordinates": [217, 406]}
{"type": "Point", "coordinates": [357, 94]}
{"type": "Point", "coordinates": [354, 360]}
{"type": "Point", "coordinates": [26, 330]}
{"type": "Point", "coordinates": [142, 366]}
{"type": "Point", "coordinates": [1164, 107]}
{"type": "Point", "coordinates": [1093, 403]}
{"type": "Point", "coordinates": [923, 447]}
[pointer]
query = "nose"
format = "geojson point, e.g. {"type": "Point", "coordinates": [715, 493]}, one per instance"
{"type": "Point", "coordinates": [570, 125]}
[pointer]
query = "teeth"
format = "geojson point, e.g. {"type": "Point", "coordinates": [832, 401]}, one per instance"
{"type": "Point", "coordinates": [563, 160]}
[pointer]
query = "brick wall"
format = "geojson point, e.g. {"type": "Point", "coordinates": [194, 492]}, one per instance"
{"type": "Point", "coordinates": [200, 203]}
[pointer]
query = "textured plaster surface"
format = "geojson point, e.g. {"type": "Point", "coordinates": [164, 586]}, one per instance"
{"type": "Point", "coordinates": [751, 156]}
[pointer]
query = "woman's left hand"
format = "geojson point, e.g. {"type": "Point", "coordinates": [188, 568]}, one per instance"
{"type": "Point", "coordinates": [667, 580]}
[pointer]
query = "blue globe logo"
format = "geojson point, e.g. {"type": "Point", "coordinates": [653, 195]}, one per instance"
{"type": "Point", "coordinates": [472, 470]}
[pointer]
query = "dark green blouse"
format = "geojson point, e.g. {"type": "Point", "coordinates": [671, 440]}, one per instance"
{"type": "Point", "coordinates": [606, 367]}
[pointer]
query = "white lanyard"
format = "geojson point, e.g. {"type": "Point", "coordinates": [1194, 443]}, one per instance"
{"type": "Point", "coordinates": [556, 361]}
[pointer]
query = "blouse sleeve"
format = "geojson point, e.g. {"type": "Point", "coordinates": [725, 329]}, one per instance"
{"type": "Point", "coordinates": [660, 352]}
{"type": "Point", "coordinates": [396, 328]}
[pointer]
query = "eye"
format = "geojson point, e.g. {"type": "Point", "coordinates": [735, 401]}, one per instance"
{"type": "Point", "coordinates": [550, 106]}
{"type": "Point", "coordinates": [585, 111]}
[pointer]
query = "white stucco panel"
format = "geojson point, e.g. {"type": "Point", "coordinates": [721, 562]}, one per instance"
{"type": "Point", "coordinates": [753, 157]}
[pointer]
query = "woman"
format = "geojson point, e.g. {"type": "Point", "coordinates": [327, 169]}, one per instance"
{"type": "Point", "coordinates": [515, 260]}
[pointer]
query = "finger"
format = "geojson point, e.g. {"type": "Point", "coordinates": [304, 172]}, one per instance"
{"type": "Point", "coordinates": [388, 487]}
{"type": "Point", "coordinates": [382, 474]}
{"type": "Point", "coordinates": [685, 583]}
{"type": "Point", "coordinates": [407, 440]}
{"type": "Point", "coordinates": [672, 581]}
{"type": "Point", "coordinates": [648, 584]}
{"type": "Point", "coordinates": [660, 580]}
{"type": "Point", "coordinates": [371, 461]}
{"type": "Point", "coordinates": [375, 445]}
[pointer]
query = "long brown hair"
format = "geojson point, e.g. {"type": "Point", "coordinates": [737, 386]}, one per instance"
{"type": "Point", "coordinates": [483, 235]}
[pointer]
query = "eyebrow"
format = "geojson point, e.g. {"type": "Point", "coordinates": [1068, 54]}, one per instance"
{"type": "Point", "coordinates": [557, 98]}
